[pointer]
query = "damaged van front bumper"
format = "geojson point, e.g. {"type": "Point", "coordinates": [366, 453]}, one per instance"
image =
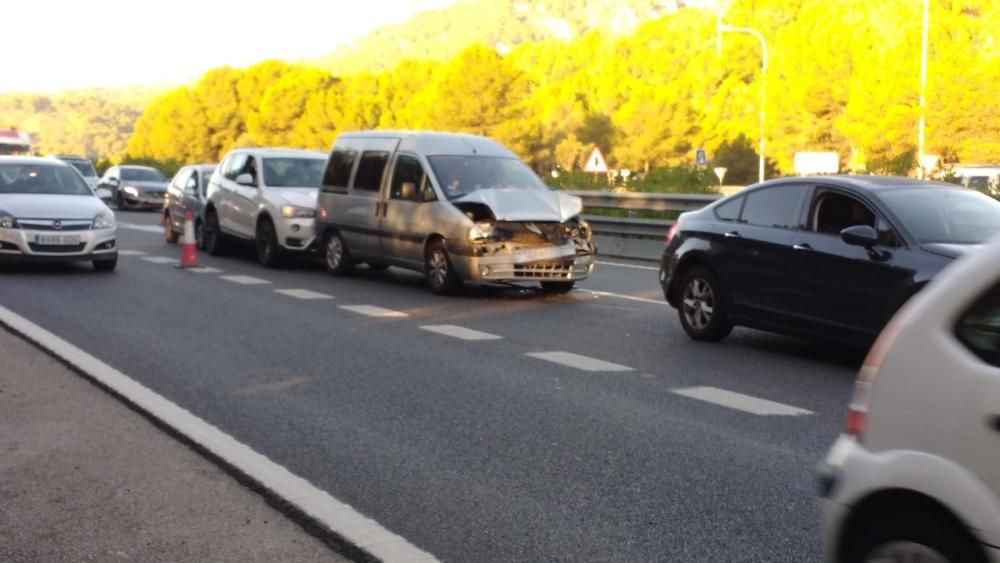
{"type": "Point", "coordinates": [505, 262]}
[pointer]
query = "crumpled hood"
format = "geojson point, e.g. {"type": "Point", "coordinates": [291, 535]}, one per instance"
{"type": "Point", "coordinates": [513, 204]}
{"type": "Point", "coordinates": [46, 206]}
{"type": "Point", "coordinates": [299, 197]}
{"type": "Point", "coordinates": [152, 187]}
{"type": "Point", "coordinates": [950, 250]}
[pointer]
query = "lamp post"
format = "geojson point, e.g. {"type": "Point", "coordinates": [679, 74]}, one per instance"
{"type": "Point", "coordinates": [724, 28]}
{"type": "Point", "coordinates": [923, 89]}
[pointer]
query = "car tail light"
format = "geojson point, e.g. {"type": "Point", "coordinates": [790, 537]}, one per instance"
{"type": "Point", "coordinates": [672, 232]}
{"type": "Point", "coordinates": [857, 414]}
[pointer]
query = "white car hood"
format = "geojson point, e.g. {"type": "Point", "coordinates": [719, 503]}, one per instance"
{"type": "Point", "coordinates": [299, 197]}
{"type": "Point", "coordinates": [513, 204]}
{"type": "Point", "coordinates": [51, 206]}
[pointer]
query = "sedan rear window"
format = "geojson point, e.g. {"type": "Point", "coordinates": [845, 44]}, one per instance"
{"type": "Point", "coordinates": [729, 210]}
{"type": "Point", "coordinates": [41, 179]}
{"type": "Point", "coordinates": [945, 215]}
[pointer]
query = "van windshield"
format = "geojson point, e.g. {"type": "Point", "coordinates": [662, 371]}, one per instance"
{"type": "Point", "coordinates": [462, 175]}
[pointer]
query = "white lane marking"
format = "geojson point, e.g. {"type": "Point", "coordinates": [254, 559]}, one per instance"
{"type": "Point", "coordinates": [336, 516]}
{"type": "Point", "coordinates": [626, 297]}
{"type": "Point", "coordinates": [131, 253]}
{"type": "Point", "coordinates": [160, 259]}
{"type": "Point", "coordinates": [373, 311]}
{"type": "Point", "coordinates": [303, 294]}
{"type": "Point", "coordinates": [460, 332]}
{"type": "Point", "coordinates": [740, 402]}
{"type": "Point", "coordinates": [635, 266]}
{"type": "Point", "coordinates": [579, 362]}
{"type": "Point", "coordinates": [143, 228]}
{"type": "Point", "coordinates": [204, 270]}
{"type": "Point", "coordinates": [244, 280]}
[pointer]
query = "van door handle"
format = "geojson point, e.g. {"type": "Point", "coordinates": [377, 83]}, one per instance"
{"type": "Point", "coordinates": [732, 234]}
{"type": "Point", "coordinates": [803, 247]}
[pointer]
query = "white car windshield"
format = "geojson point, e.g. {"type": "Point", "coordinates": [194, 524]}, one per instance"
{"type": "Point", "coordinates": [945, 215]}
{"type": "Point", "coordinates": [462, 175]}
{"type": "Point", "coordinates": [41, 179]}
{"type": "Point", "coordinates": [290, 172]}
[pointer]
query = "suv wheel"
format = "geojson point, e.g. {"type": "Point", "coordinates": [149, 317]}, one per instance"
{"type": "Point", "coordinates": [913, 536]}
{"type": "Point", "coordinates": [702, 306]}
{"type": "Point", "coordinates": [213, 234]}
{"type": "Point", "coordinates": [268, 250]}
{"type": "Point", "coordinates": [337, 257]}
{"type": "Point", "coordinates": [199, 234]}
{"type": "Point", "coordinates": [440, 275]}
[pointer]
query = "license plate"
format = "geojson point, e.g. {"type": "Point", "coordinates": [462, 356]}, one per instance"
{"type": "Point", "coordinates": [549, 253]}
{"type": "Point", "coordinates": [57, 240]}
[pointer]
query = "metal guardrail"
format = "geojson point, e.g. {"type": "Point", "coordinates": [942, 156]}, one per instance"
{"type": "Point", "coordinates": [630, 237]}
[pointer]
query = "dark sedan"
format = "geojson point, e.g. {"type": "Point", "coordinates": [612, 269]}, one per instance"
{"type": "Point", "coordinates": [134, 187]}
{"type": "Point", "coordinates": [827, 257]}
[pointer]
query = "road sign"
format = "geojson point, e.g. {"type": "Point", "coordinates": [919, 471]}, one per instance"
{"type": "Point", "coordinates": [596, 163]}
{"type": "Point", "coordinates": [720, 171]}
{"type": "Point", "coordinates": [700, 157]}
{"type": "Point", "coordinates": [808, 163]}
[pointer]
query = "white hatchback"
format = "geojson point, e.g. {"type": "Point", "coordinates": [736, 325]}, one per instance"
{"type": "Point", "coordinates": [916, 476]}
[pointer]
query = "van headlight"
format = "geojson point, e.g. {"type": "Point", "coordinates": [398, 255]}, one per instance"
{"type": "Point", "coordinates": [585, 231]}
{"type": "Point", "coordinates": [293, 212]}
{"type": "Point", "coordinates": [480, 231]}
{"type": "Point", "coordinates": [104, 220]}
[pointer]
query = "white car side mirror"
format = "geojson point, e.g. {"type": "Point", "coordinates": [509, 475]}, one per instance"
{"type": "Point", "coordinates": [246, 180]}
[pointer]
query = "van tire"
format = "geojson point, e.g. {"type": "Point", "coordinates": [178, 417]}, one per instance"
{"type": "Point", "coordinates": [336, 256]}
{"type": "Point", "coordinates": [441, 276]}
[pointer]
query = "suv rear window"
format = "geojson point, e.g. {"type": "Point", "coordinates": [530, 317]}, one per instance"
{"type": "Point", "coordinates": [979, 327]}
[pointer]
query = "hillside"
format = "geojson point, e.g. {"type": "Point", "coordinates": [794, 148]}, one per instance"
{"type": "Point", "coordinates": [502, 24]}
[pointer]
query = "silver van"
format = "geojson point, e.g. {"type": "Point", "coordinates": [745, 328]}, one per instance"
{"type": "Point", "coordinates": [456, 207]}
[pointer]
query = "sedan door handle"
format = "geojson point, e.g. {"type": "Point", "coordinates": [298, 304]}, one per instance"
{"type": "Point", "coordinates": [802, 247]}
{"type": "Point", "coordinates": [732, 234]}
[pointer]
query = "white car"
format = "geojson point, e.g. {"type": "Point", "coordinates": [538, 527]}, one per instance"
{"type": "Point", "coordinates": [48, 213]}
{"type": "Point", "coordinates": [267, 196]}
{"type": "Point", "coordinates": [916, 476]}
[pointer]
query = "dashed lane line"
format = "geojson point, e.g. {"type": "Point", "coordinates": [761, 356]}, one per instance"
{"type": "Point", "coordinates": [143, 228]}
{"type": "Point", "coordinates": [203, 270]}
{"type": "Point", "coordinates": [309, 505]}
{"type": "Point", "coordinates": [160, 259]}
{"type": "Point", "coordinates": [373, 311]}
{"type": "Point", "coordinates": [633, 266]}
{"type": "Point", "coordinates": [625, 297]}
{"type": "Point", "coordinates": [740, 402]}
{"type": "Point", "coordinates": [303, 294]}
{"type": "Point", "coordinates": [460, 332]}
{"type": "Point", "coordinates": [244, 280]}
{"type": "Point", "coordinates": [131, 253]}
{"type": "Point", "coordinates": [579, 362]}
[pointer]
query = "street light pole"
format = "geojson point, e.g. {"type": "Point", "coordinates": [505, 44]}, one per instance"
{"type": "Point", "coordinates": [763, 85]}
{"type": "Point", "coordinates": [923, 90]}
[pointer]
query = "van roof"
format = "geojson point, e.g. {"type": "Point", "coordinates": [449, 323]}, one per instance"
{"type": "Point", "coordinates": [437, 143]}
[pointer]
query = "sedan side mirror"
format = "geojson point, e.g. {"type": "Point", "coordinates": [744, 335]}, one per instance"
{"type": "Point", "coordinates": [246, 180]}
{"type": "Point", "coordinates": [860, 235]}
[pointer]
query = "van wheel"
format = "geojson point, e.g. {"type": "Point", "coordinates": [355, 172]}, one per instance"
{"type": "Point", "coordinates": [169, 234]}
{"type": "Point", "coordinates": [702, 307]}
{"type": "Point", "coordinates": [556, 288]}
{"type": "Point", "coordinates": [268, 250]}
{"type": "Point", "coordinates": [338, 258]}
{"type": "Point", "coordinates": [440, 275]}
{"type": "Point", "coordinates": [214, 244]}
{"type": "Point", "coordinates": [913, 536]}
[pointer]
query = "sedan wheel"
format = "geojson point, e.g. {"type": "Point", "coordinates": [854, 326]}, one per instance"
{"type": "Point", "coordinates": [702, 306]}
{"type": "Point", "coordinates": [906, 552]}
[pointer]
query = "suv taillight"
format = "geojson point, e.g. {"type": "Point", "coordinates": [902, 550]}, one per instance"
{"type": "Point", "coordinates": [857, 414]}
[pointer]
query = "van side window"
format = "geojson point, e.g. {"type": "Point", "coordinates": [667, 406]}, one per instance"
{"type": "Point", "coordinates": [979, 327]}
{"type": "Point", "coordinates": [409, 181]}
{"type": "Point", "coordinates": [370, 171]}
{"type": "Point", "coordinates": [338, 170]}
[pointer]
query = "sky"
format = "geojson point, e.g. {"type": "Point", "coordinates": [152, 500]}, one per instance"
{"type": "Point", "coordinates": [52, 45]}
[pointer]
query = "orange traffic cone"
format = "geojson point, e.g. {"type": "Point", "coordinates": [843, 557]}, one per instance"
{"type": "Point", "coordinates": [189, 250]}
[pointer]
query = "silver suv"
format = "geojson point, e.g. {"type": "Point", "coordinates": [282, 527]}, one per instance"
{"type": "Point", "coordinates": [265, 196]}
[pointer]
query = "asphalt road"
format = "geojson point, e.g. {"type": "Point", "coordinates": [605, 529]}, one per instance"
{"type": "Point", "coordinates": [499, 449]}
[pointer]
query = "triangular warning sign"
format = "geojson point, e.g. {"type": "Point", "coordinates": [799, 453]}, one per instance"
{"type": "Point", "coordinates": [596, 163]}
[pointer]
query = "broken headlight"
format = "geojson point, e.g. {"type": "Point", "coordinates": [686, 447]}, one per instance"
{"type": "Point", "coordinates": [480, 231]}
